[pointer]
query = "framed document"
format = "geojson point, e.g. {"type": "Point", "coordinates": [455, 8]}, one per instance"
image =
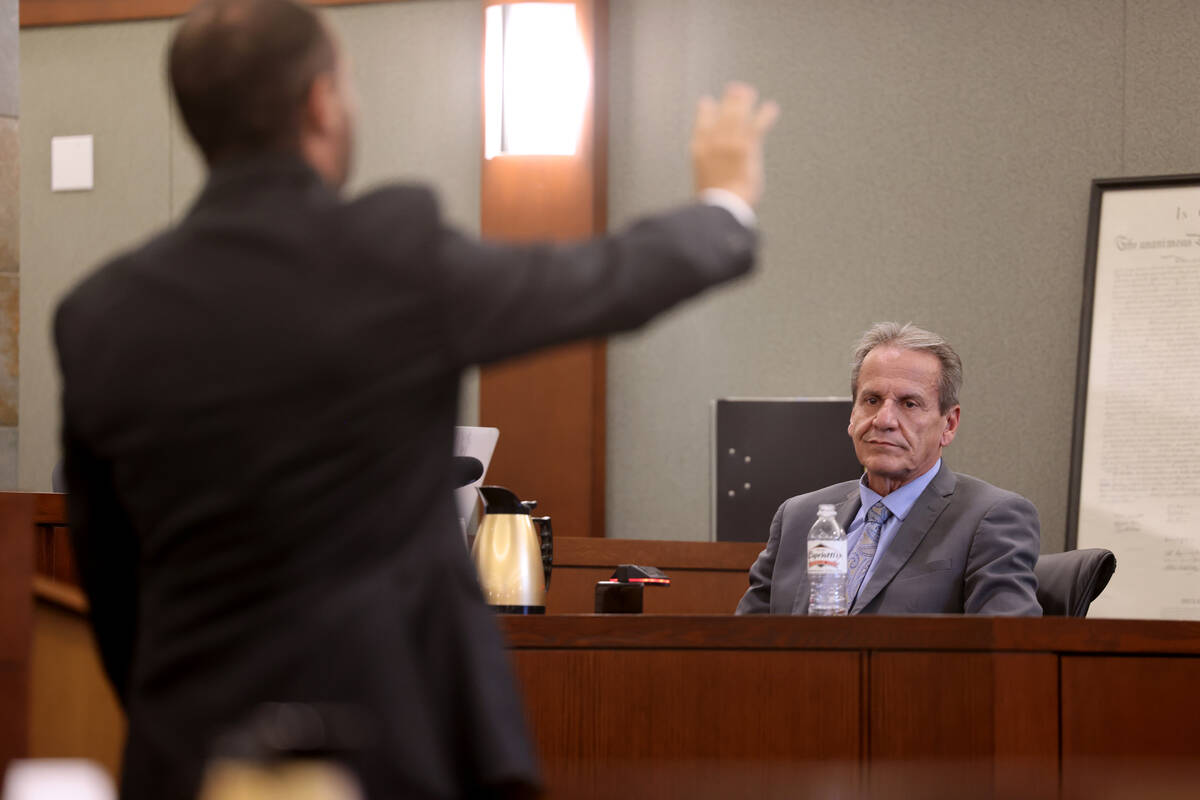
{"type": "Point", "coordinates": [1135, 460]}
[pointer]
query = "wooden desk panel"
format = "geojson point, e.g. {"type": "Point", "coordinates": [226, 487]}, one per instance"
{"type": "Point", "coordinates": [692, 723]}
{"type": "Point", "coordinates": [973, 719]}
{"type": "Point", "coordinates": [1130, 721]}
{"type": "Point", "coordinates": [949, 707]}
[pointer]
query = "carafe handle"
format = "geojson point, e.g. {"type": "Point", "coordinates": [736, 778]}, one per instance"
{"type": "Point", "coordinates": [546, 538]}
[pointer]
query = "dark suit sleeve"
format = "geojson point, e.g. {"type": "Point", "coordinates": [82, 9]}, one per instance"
{"type": "Point", "coordinates": [506, 300]}
{"type": "Point", "coordinates": [106, 554]}
{"type": "Point", "coordinates": [999, 577]}
{"type": "Point", "coordinates": [105, 546]}
{"type": "Point", "coordinates": [757, 599]}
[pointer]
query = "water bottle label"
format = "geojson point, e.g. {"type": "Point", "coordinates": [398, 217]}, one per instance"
{"type": "Point", "coordinates": [827, 557]}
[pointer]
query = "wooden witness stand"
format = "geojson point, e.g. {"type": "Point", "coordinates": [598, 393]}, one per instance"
{"type": "Point", "coordinates": [879, 707]}
{"type": "Point", "coordinates": [719, 706]}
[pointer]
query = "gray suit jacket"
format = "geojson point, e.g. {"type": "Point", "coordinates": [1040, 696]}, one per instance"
{"type": "Point", "coordinates": [966, 547]}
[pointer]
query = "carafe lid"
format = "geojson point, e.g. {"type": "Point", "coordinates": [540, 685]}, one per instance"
{"type": "Point", "coordinates": [498, 500]}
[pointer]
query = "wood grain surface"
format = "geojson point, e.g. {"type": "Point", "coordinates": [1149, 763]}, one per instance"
{"type": "Point", "coordinates": [43, 13]}
{"type": "Point", "coordinates": [722, 706]}
{"type": "Point", "coordinates": [16, 622]}
{"type": "Point", "coordinates": [699, 723]}
{"type": "Point", "coordinates": [952, 633]}
{"type": "Point", "coordinates": [1130, 722]}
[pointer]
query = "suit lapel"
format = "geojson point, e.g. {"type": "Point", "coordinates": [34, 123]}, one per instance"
{"type": "Point", "coordinates": [924, 513]}
{"type": "Point", "coordinates": [845, 515]}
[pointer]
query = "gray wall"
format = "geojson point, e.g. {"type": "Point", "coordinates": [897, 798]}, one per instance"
{"type": "Point", "coordinates": [420, 121]}
{"type": "Point", "coordinates": [10, 251]}
{"type": "Point", "coordinates": [933, 165]}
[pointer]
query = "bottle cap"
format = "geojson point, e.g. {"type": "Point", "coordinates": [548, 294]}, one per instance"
{"type": "Point", "coordinates": [826, 510]}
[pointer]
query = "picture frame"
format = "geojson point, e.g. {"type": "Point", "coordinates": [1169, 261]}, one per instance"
{"type": "Point", "coordinates": [1130, 490]}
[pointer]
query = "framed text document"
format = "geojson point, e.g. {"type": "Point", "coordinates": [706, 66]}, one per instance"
{"type": "Point", "coordinates": [1135, 467]}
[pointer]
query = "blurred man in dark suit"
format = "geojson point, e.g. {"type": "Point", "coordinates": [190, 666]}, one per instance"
{"type": "Point", "coordinates": [258, 411]}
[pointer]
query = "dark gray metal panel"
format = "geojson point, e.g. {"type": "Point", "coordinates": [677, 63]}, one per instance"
{"type": "Point", "coordinates": [771, 449]}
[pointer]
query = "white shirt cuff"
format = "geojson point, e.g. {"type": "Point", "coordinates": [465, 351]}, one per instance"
{"type": "Point", "coordinates": [735, 205]}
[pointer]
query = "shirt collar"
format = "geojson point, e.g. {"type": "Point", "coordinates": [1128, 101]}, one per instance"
{"type": "Point", "coordinates": [899, 502]}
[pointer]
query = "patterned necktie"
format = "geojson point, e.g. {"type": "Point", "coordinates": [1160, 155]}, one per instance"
{"type": "Point", "coordinates": [864, 550]}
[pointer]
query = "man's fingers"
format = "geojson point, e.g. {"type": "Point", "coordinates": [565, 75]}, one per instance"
{"type": "Point", "coordinates": [706, 113]}
{"type": "Point", "coordinates": [738, 99]}
{"type": "Point", "coordinates": [768, 112]}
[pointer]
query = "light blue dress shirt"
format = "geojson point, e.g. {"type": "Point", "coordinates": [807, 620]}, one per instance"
{"type": "Point", "coordinates": [899, 503]}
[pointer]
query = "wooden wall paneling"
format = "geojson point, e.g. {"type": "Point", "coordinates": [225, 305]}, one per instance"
{"type": "Point", "coordinates": [550, 407]}
{"type": "Point", "coordinates": [14, 689]}
{"type": "Point", "coordinates": [1130, 727]}
{"type": "Point", "coordinates": [953, 724]}
{"type": "Point", "coordinates": [16, 622]}
{"type": "Point", "coordinates": [691, 723]}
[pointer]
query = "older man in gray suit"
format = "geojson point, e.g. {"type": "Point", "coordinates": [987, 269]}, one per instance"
{"type": "Point", "coordinates": [921, 539]}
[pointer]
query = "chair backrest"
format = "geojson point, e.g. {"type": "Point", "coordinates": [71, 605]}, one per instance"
{"type": "Point", "coordinates": [1069, 582]}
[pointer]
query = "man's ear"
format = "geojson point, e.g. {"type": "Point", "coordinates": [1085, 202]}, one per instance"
{"type": "Point", "coordinates": [321, 113]}
{"type": "Point", "coordinates": [951, 426]}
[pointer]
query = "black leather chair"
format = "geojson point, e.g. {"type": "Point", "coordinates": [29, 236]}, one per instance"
{"type": "Point", "coordinates": [1069, 582]}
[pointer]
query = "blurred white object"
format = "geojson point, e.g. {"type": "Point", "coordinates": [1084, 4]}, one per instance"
{"type": "Point", "coordinates": [57, 779]}
{"type": "Point", "coordinates": [477, 443]}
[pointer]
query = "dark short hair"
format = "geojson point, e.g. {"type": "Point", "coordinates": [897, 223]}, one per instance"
{"type": "Point", "coordinates": [910, 337]}
{"type": "Point", "coordinates": [241, 71]}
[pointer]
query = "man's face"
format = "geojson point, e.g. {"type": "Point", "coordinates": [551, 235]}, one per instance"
{"type": "Point", "coordinates": [897, 429]}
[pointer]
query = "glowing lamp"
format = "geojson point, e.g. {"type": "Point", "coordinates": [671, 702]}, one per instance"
{"type": "Point", "coordinates": [536, 80]}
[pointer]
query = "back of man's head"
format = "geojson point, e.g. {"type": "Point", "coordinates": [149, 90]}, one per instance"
{"type": "Point", "coordinates": [241, 71]}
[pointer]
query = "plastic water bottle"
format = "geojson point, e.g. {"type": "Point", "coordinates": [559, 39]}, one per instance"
{"type": "Point", "coordinates": [826, 564]}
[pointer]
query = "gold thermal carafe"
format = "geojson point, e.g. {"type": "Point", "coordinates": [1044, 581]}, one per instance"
{"type": "Point", "coordinates": [513, 552]}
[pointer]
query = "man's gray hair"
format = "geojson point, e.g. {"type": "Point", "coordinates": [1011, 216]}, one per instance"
{"type": "Point", "coordinates": [910, 337]}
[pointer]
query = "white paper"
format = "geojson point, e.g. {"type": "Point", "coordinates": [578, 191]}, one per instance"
{"type": "Point", "coordinates": [1140, 473]}
{"type": "Point", "coordinates": [44, 778]}
{"type": "Point", "coordinates": [71, 163]}
{"type": "Point", "coordinates": [477, 443]}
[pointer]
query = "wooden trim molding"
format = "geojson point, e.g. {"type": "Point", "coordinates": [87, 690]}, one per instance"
{"type": "Point", "coordinates": [48, 13]}
{"type": "Point", "coordinates": [915, 633]}
{"type": "Point", "coordinates": [666, 555]}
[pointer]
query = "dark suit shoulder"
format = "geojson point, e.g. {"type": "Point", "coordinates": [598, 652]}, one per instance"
{"type": "Point", "coordinates": [396, 218]}
{"type": "Point", "coordinates": [103, 287]}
